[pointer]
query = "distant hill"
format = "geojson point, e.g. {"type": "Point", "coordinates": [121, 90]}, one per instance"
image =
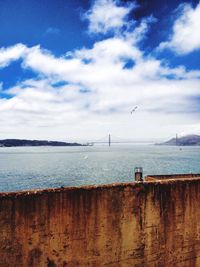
{"type": "Point", "coordinates": [188, 140]}
{"type": "Point", "coordinates": [20, 142]}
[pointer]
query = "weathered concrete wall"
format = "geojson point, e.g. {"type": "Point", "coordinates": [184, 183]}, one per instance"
{"type": "Point", "coordinates": [145, 224]}
{"type": "Point", "coordinates": [172, 177]}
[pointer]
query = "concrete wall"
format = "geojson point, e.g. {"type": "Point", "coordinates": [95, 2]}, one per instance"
{"type": "Point", "coordinates": [145, 224]}
{"type": "Point", "coordinates": [171, 176]}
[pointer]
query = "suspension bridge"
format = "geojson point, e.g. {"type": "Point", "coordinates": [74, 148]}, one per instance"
{"type": "Point", "coordinates": [108, 139]}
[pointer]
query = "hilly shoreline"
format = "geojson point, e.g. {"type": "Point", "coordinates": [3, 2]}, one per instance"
{"type": "Point", "coordinates": [24, 142]}
{"type": "Point", "coordinates": [188, 140]}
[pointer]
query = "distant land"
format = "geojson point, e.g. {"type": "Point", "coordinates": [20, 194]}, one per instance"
{"type": "Point", "coordinates": [188, 140]}
{"type": "Point", "coordinates": [21, 142]}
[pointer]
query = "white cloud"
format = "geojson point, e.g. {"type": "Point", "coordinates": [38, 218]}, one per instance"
{"type": "Point", "coordinates": [12, 53]}
{"type": "Point", "coordinates": [107, 15]}
{"type": "Point", "coordinates": [112, 91]}
{"type": "Point", "coordinates": [186, 31]}
{"type": "Point", "coordinates": [43, 61]}
{"type": "Point", "coordinates": [91, 93]}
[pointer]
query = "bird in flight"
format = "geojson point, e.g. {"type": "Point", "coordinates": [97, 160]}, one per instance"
{"type": "Point", "coordinates": [133, 110]}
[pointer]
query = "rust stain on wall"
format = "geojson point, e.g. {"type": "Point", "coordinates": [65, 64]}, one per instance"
{"type": "Point", "coordinates": [150, 224]}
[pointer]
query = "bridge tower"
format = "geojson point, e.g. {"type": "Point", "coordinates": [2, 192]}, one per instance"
{"type": "Point", "coordinates": [109, 140]}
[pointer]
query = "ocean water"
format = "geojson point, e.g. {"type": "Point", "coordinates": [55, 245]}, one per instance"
{"type": "Point", "coordinates": [46, 167]}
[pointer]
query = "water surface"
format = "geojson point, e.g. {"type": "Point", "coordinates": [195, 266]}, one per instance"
{"type": "Point", "coordinates": [45, 167]}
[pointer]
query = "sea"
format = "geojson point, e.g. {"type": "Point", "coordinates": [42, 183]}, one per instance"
{"type": "Point", "coordinates": [23, 168]}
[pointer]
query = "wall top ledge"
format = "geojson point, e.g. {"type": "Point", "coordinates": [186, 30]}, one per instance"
{"type": "Point", "coordinates": [150, 180]}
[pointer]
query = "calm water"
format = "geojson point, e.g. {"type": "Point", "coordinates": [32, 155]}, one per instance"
{"type": "Point", "coordinates": [42, 167]}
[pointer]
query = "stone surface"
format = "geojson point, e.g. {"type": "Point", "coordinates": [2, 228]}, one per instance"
{"type": "Point", "coordinates": [155, 223]}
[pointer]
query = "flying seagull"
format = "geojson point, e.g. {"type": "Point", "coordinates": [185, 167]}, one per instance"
{"type": "Point", "coordinates": [133, 110]}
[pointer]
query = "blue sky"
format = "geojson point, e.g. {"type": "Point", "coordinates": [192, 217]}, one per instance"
{"type": "Point", "coordinates": [73, 70]}
{"type": "Point", "coordinates": [55, 25]}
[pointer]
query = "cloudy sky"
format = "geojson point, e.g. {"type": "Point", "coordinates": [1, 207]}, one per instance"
{"type": "Point", "coordinates": [72, 70]}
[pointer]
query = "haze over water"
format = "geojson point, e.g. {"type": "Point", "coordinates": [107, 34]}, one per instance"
{"type": "Point", "coordinates": [46, 167]}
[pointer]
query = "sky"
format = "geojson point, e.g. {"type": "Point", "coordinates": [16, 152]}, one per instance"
{"type": "Point", "coordinates": [74, 70]}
